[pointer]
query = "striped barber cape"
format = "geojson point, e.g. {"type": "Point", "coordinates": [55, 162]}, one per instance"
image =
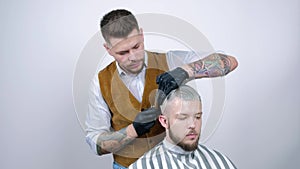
{"type": "Point", "coordinates": [167, 156]}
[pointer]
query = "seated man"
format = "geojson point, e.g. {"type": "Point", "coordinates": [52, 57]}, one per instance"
{"type": "Point", "coordinates": [181, 117]}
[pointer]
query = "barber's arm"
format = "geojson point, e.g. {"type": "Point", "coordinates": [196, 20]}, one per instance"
{"type": "Point", "coordinates": [110, 142]}
{"type": "Point", "coordinates": [99, 134]}
{"type": "Point", "coordinates": [213, 65]}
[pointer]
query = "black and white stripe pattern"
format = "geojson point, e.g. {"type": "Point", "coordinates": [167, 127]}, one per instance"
{"type": "Point", "coordinates": [162, 158]}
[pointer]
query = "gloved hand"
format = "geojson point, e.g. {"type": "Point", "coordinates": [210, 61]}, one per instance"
{"type": "Point", "coordinates": [145, 120]}
{"type": "Point", "coordinates": [169, 81]}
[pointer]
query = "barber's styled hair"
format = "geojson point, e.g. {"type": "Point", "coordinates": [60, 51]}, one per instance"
{"type": "Point", "coordinates": [118, 24]}
{"type": "Point", "coordinates": [184, 92]}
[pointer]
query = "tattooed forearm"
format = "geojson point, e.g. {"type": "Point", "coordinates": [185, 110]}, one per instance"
{"type": "Point", "coordinates": [211, 66]}
{"type": "Point", "coordinates": [226, 63]}
{"type": "Point", "coordinates": [113, 141]}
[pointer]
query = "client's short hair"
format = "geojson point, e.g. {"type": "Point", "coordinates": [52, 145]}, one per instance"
{"type": "Point", "coordinates": [184, 92]}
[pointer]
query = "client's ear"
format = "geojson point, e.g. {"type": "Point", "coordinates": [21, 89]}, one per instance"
{"type": "Point", "coordinates": [163, 121]}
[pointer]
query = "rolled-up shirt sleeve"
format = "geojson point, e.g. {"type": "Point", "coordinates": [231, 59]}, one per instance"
{"type": "Point", "coordinates": [98, 116]}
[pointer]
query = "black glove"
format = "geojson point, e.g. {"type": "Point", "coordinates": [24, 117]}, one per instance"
{"type": "Point", "coordinates": [169, 81]}
{"type": "Point", "coordinates": [145, 120]}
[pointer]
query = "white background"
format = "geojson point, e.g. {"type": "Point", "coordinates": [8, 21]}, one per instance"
{"type": "Point", "coordinates": [42, 40]}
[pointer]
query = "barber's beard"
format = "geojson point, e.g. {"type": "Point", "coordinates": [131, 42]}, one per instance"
{"type": "Point", "coordinates": [180, 143]}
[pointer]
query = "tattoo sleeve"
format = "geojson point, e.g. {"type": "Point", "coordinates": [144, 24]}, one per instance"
{"type": "Point", "coordinates": [112, 141]}
{"type": "Point", "coordinates": [213, 65]}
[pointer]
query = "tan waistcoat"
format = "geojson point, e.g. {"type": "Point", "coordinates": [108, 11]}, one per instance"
{"type": "Point", "coordinates": [124, 106]}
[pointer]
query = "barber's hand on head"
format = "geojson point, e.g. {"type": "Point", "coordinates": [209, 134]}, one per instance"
{"type": "Point", "coordinates": [145, 120]}
{"type": "Point", "coordinates": [171, 80]}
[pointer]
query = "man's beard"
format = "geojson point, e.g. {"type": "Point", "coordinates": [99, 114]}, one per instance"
{"type": "Point", "coordinates": [179, 142]}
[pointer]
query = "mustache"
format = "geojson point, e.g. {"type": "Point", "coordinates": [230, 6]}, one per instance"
{"type": "Point", "coordinates": [192, 132]}
{"type": "Point", "coordinates": [137, 60]}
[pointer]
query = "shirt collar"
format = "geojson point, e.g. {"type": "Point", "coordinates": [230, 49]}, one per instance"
{"type": "Point", "coordinates": [122, 72]}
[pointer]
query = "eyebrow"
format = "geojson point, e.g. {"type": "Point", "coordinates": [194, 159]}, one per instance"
{"type": "Point", "coordinates": [184, 114]}
{"type": "Point", "coordinates": [126, 51]}
{"type": "Point", "coordinates": [122, 51]}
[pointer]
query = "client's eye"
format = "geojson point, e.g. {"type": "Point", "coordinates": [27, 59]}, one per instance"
{"type": "Point", "coordinates": [181, 117]}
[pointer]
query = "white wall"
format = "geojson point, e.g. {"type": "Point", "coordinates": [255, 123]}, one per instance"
{"type": "Point", "coordinates": [42, 40]}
